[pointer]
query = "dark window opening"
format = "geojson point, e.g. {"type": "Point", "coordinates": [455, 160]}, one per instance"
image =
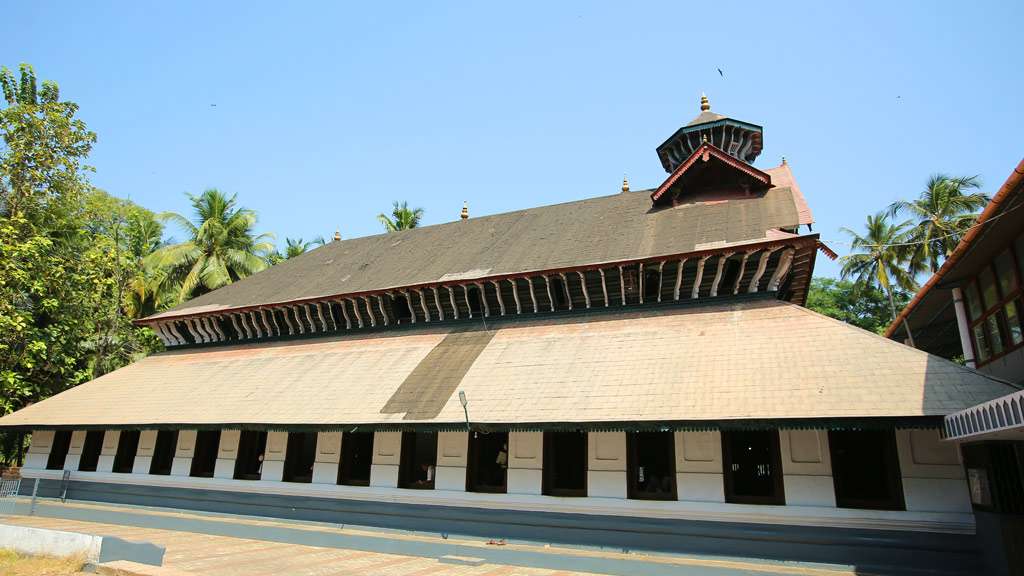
{"type": "Point", "coordinates": [558, 293]}
{"type": "Point", "coordinates": [865, 469]}
{"type": "Point", "coordinates": [185, 332]}
{"type": "Point", "coordinates": [651, 465]}
{"type": "Point", "coordinates": [630, 274]}
{"type": "Point", "coordinates": [356, 458]}
{"type": "Point", "coordinates": [59, 450]}
{"type": "Point", "coordinates": [729, 277]}
{"type": "Point", "coordinates": [488, 463]}
{"type": "Point", "coordinates": [995, 476]}
{"type": "Point", "coordinates": [753, 467]}
{"type": "Point", "coordinates": [473, 301]}
{"type": "Point", "coordinates": [91, 451]}
{"type": "Point", "coordinates": [127, 447]}
{"type": "Point", "coordinates": [204, 457]}
{"type": "Point", "coordinates": [565, 464]}
{"type": "Point", "coordinates": [163, 452]}
{"type": "Point", "coordinates": [652, 285]}
{"type": "Point", "coordinates": [401, 307]}
{"type": "Point", "coordinates": [252, 446]}
{"type": "Point", "coordinates": [299, 457]}
{"type": "Point", "coordinates": [418, 460]}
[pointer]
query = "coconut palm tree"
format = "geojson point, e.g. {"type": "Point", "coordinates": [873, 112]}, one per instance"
{"type": "Point", "coordinates": [943, 212]}
{"type": "Point", "coordinates": [296, 247]}
{"type": "Point", "coordinates": [882, 257]}
{"type": "Point", "coordinates": [402, 217]}
{"type": "Point", "coordinates": [221, 247]}
{"type": "Point", "coordinates": [148, 288]}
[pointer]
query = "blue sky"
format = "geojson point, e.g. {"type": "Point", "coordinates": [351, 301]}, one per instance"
{"type": "Point", "coordinates": [325, 113]}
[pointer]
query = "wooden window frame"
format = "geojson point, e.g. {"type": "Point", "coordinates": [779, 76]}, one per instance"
{"type": "Point", "coordinates": [1014, 296]}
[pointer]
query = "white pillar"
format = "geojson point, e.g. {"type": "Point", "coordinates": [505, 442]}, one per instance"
{"type": "Point", "coordinates": [964, 327]}
{"type": "Point", "coordinates": [606, 464]}
{"type": "Point", "coordinates": [273, 457]}
{"type": "Point", "coordinates": [933, 477]}
{"type": "Point", "coordinates": [387, 448]}
{"type": "Point", "coordinates": [183, 453]}
{"type": "Point", "coordinates": [452, 456]}
{"type": "Point", "coordinates": [144, 453]}
{"type": "Point", "coordinates": [75, 450]}
{"type": "Point", "coordinates": [525, 462]}
{"type": "Point", "coordinates": [328, 456]}
{"type": "Point", "coordinates": [807, 468]}
{"type": "Point", "coordinates": [109, 451]}
{"type": "Point", "coordinates": [227, 452]}
{"type": "Point", "coordinates": [699, 466]}
{"type": "Point", "coordinates": [39, 450]}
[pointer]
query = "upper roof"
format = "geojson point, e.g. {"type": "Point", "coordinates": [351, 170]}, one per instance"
{"type": "Point", "coordinates": [612, 228]}
{"type": "Point", "coordinates": [745, 359]}
{"type": "Point", "coordinates": [930, 314]}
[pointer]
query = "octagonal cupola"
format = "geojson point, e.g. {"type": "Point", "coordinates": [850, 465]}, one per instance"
{"type": "Point", "coordinates": [738, 139]}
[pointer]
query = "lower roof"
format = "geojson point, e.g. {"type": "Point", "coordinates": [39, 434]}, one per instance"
{"type": "Point", "coordinates": [731, 360]}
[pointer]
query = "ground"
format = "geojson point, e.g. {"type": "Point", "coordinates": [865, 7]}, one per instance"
{"type": "Point", "coordinates": [13, 564]}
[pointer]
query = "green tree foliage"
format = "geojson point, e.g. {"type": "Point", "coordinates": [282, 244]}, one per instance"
{"type": "Point", "coordinates": [402, 217]}
{"type": "Point", "coordinates": [867, 308]}
{"type": "Point", "coordinates": [64, 264]}
{"type": "Point", "coordinates": [294, 248]}
{"type": "Point", "coordinates": [879, 258]}
{"type": "Point", "coordinates": [941, 215]}
{"type": "Point", "coordinates": [222, 246]}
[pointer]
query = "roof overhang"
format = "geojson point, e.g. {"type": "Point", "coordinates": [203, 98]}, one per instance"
{"type": "Point", "coordinates": [998, 419]}
{"type": "Point", "coordinates": [706, 155]}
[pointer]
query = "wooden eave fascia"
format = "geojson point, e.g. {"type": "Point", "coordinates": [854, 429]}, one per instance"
{"type": "Point", "coordinates": [704, 153]}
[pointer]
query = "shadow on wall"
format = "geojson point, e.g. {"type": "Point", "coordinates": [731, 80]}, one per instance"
{"type": "Point", "coordinates": [429, 386]}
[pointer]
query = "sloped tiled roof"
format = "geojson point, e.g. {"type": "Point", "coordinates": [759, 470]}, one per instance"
{"type": "Point", "coordinates": [754, 358]}
{"type": "Point", "coordinates": [586, 232]}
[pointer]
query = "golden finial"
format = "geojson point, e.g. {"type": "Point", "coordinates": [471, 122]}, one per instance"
{"type": "Point", "coordinates": [625, 184]}
{"type": "Point", "coordinates": [783, 160]}
{"type": "Point", "coordinates": [465, 210]}
{"type": "Point", "coordinates": [704, 104]}
{"type": "Point", "coordinates": [337, 235]}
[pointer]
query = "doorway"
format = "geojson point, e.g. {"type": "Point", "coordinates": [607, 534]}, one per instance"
{"type": "Point", "coordinates": [204, 458]}
{"type": "Point", "coordinates": [753, 467]}
{"type": "Point", "coordinates": [91, 451]}
{"type": "Point", "coordinates": [356, 458]}
{"type": "Point", "coordinates": [163, 452]}
{"type": "Point", "coordinates": [299, 457]}
{"type": "Point", "coordinates": [252, 447]}
{"type": "Point", "coordinates": [127, 447]}
{"type": "Point", "coordinates": [865, 469]}
{"type": "Point", "coordinates": [418, 460]}
{"type": "Point", "coordinates": [565, 464]}
{"type": "Point", "coordinates": [59, 450]}
{"type": "Point", "coordinates": [488, 463]}
{"type": "Point", "coordinates": [651, 465]}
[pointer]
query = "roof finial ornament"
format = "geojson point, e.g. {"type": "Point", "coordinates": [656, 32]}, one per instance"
{"type": "Point", "coordinates": [465, 210]}
{"type": "Point", "coordinates": [704, 139]}
{"type": "Point", "coordinates": [625, 183]}
{"type": "Point", "coordinates": [337, 234]}
{"type": "Point", "coordinates": [705, 105]}
{"type": "Point", "coordinates": [783, 160]}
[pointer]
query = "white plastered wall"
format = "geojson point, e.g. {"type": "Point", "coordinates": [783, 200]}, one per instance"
{"type": "Point", "coordinates": [183, 453]}
{"type": "Point", "coordinates": [328, 456]}
{"type": "Point", "coordinates": [227, 452]}
{"type": "Point", "coordinates": [273, 457]}
{"type": "Point", "coordinates": [144, 453]}
{"type": "Point", "coordinates": [525, 462]}
{"type": "Point", "coordinates": [606, 464]}
{"type": "Point", "coordinates": [933, 477]}
{"type": "Point", "coordinates": [452, 455]}
{"type": "Point", "coordinates": [699, 466]}
{"type": "Point", "coordinates": [39, 450]}
{"type": "Point", "coordinates": [106, 461]}
{"type": "Point", "coordinates": [807, 468]}
{"type": "Point", "coordinates": [387, 448]}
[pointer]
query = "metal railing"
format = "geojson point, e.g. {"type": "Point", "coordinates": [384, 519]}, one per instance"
{"type": "Point", "coordinates": [8, 495]}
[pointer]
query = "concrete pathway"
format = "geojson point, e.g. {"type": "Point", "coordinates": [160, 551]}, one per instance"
{"type": "Point", "coordinates": [215, 544]}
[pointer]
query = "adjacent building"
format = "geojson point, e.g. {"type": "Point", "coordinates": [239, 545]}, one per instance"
{"type": "Point", "coordinates": [634, 370]}
{"type": "Point", "coordinates": [971, 310]}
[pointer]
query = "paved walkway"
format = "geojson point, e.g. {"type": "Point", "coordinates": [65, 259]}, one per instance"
{"type": "Point", "coordinates": [213, 544]}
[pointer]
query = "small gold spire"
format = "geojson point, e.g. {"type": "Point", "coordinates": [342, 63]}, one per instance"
{"type": "Point", "coordinates": [783, 160]}
{"type": "Point", "coordinates": [337, 235]}
{"type": "Point", "coordinates": [625, 184]}
{"type": "Point", "coordinates": [705, 105]}
{"type": "Point", "coordinates": [465, 210]}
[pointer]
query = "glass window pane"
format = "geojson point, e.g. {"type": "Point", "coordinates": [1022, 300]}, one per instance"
{"type": "Point", "coordinates": [973, 300]}
{"type": "Point", "coordinates": [1006, 274]}
{"type": "Point", "coordinates": [1019, 247]}
{"type": "Point", "coordinates": [980, 344]}
{"type": "Point", "coordinates": [1013, 323]}
{"type": "Point", "coordinates": [987, 282]}
{"type": "Point", "coordinates": [995, 337]}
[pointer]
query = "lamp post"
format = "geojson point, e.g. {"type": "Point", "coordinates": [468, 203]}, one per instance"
{"type": "Point", "coordinates": [462, 399]}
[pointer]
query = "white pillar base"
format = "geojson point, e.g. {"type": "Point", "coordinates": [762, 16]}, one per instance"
{"type": "Point", "coordinates": [181, 466]}
{"type": "Point", "coordinates": [225, 468]}
{"type": "Point", "coordinates": [325, 473]}
{"type": "Point", "coordinates": [71, 462]}
{"type": "Point", "coordinates": [273, 471]}
{"type": "Point", "coordinates": [36, 461]}
{"type": "Point", "coordinates": [606, 484]}
{"type": "Point", "coordinates": [105, 464]}
{"type": "Point", "coordinates": [450, 478]}
{"type": "Point", "coordinates": [809, 490]}
{"type": "Point", "coordinates": [700, 486]}
{"type": "Point", "coordinates": [525, 481]}
{"type": "Point", "coordinates": [142, 464]}
{"type": "Point", "coordinates": [384, 475]}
